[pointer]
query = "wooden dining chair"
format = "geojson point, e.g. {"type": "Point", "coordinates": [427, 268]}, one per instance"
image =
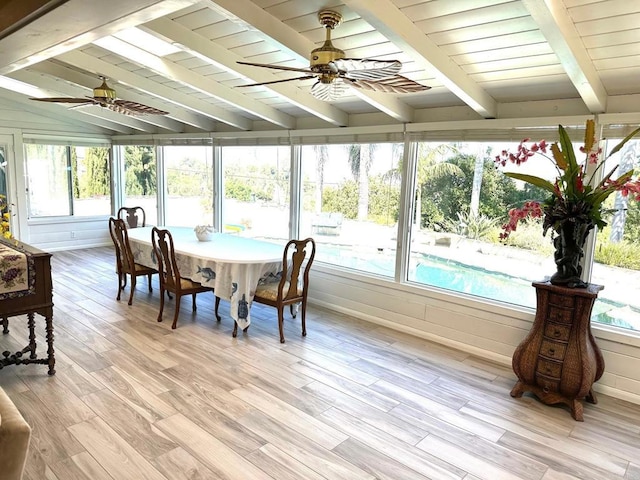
{"type": "Point", "coordinates": [170, 278]}
{"type": "Point", "coordinates": [125, 263]}
{"type": "Point", "coordinates": [133, 216]}
{"type": "Point", "coordinates": [294, 283]}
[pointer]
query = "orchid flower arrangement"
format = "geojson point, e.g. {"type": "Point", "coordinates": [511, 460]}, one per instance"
{"type": "Point", "coordinates": [573, 195]}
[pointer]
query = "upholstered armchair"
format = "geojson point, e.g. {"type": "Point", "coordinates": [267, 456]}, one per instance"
{"type": "Point", "coordinates": [15, 434]}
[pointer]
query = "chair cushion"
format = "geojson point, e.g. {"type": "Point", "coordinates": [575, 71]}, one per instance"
{"type": "Point", "coordinates": [142, 268]}
{"type": "Point", "coordinates": [186, 284]}
{"type": "Point", "coordinates": [269, 291]}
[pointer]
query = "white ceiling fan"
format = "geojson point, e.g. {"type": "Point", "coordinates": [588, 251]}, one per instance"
{"type": "Point", "coordinates": [336, 74]}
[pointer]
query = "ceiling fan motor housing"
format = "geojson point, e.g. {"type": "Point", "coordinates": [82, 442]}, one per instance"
{"type": "Point", "coordinates": [322, 57]}
{"type": "Point", "coordinates": [104, 91]}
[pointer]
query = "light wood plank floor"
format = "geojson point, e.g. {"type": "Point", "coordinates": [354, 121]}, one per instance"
{"type": "Point", "coordinates": [133, 399]}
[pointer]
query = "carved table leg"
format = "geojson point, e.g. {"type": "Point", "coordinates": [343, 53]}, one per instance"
{"type": "Point", "coordinates": [5, 324]}
{"type": "Point", "coordinates": [32, 335]}
{"type": "Point", "coordinates": [50, 353]}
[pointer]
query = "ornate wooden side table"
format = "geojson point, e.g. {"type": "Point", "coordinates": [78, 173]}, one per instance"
{"type": "Point", "coordinates": [559, 360]}
{"type": "Point", "coordinates": [38, 299]}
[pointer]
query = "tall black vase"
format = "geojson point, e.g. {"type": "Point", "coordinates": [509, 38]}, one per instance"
{"type": "Point", "coordinates": [569, 244]}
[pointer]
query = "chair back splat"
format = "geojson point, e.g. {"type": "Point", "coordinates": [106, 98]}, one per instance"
{"type": "Point", "coordinates": [133, 216]}
{"type": "Point", "coordinates": [170, 278]}
{"type": "Point", "coordinates": [125, 263]}
{"type": "Point", "coordinates": [294, 283]}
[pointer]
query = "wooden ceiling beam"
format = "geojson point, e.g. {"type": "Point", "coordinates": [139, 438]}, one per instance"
{"type": "Point", "coordinates": [75, 23]}
{"type": "Point", "coordinates": [227, 60]}
{"type": "Point", "coordinates": [559, 30]}
{"type": "Point", "coordinates": [387, 19]}
{"type": "Point", "coordinates": [180, 74]}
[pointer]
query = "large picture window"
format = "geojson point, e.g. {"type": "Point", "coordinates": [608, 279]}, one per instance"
{"type": "Point", "coordinates": [68, 180]}
{"type": "Point", "coordinates": [350, 204]}
{"type": "Point", "coordinates": [616, 256]}
{"type": "Point", "coordinates": [141, 184]}
{"type": "Point", "coordinates": [461, 201]}
{"type": "Point", "coordinates": [189, 179]}
{"type": "Point", "coordinates": [256, 191]}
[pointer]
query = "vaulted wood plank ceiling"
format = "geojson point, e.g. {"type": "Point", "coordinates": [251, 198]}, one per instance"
{"type": "Point", "coordinates": [482, 58]}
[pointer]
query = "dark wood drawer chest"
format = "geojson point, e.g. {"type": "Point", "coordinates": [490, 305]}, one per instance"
{"type": "Point", "coordinates": [559, 360]}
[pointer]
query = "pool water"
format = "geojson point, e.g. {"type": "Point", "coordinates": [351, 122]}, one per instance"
{"type": "Point", "coordinates": [452, 275]}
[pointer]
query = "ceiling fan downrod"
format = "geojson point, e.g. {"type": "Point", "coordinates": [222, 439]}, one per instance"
{"type": "Point", "coordinates": [322, 57]}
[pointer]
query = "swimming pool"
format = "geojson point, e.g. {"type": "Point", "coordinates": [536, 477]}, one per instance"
{"type": "Point", "coordinates": [452, 275]}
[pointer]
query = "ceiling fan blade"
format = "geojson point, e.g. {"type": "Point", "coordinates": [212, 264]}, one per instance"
{"type": "Point", "coordinates": [367, 69]}
{"type": "Point", "coordinates": [395, 84]}
{"type": "Point", "coordinates": [277, 67]}
{"type": "Point", "coordinates": [329, 91]}
{"type": "Point", "coordinates": [306, 77]}
{"type": "Point", "coordinates": [132, 108]}
{"type": "Point", "coordinates": [87, 103]}
{"type": "Point", "coordinates": [63, 99]}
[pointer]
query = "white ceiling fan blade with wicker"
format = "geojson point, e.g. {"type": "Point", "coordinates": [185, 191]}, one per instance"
{"type": "Point", "coordinates": [329, 91]}
{"type": "Point", "coordinates": [368, 69]}
{"type": "Point", "coordinates": [395, 84]}
{"type": "Point", "coordinates": [105, 96]}
{"type": "Point", "coordinates": [336, 73]}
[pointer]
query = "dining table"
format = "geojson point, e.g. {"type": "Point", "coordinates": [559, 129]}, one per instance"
{"type": "Point", "coordinates": [233, 265]}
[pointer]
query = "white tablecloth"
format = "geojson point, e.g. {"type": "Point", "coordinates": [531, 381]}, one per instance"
{"type": "Point", "coordinates": [232, 265]}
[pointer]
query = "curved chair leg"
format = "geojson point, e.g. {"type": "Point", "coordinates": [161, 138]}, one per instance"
{"type": "Point", "coordinates": [175, 314]}
{"type": "Point", "coordinates": [217, 305]}
{"type": "Point", "coordinates": [293, 310]}
{"type": "Point", "coordinates": [193, 302]}
{"type": "Point", "coordinates": [235, 329]}
{"type": "Point", "coordinates": [149, 280]}
{"type": "Point", "coordinates": [304, 323]}
{"type": "Point", "coordinates": [161, 305]}
{"type": "Point", "coordinates": [281, 323]}
{"type": "Point", "coordinates": [133, 288]}
{"type": "Point", "coordinates": [120, 285]}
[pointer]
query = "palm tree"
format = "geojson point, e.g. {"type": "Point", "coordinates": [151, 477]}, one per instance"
{"type": "Point", "coordinates": [429, 168]}
{"type": "Point", "coordinates": [322, 155]}
{"type": "Point", "coordinates": [360, 159]}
